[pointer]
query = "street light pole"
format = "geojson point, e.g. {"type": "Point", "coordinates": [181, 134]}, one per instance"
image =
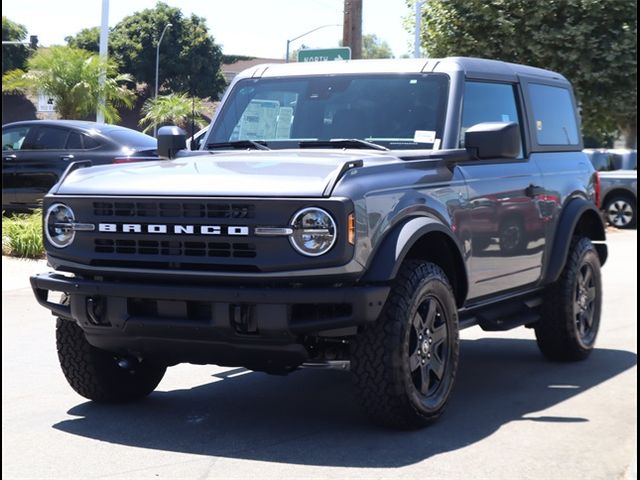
{"type": "Point", "coordinates": [305, 34]}
{"type": "Point", "coordinates": [155, 126]}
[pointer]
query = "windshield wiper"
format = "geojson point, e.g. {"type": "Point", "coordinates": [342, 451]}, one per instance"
{"type": "Point", "coordinates": [341, 143]}
{"type": "Point", "coordinates": [257, 145]}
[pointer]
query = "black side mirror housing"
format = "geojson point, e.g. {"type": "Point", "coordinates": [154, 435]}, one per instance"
{"type": "Point", "coordinates": [493, 140]}
{"type": "Point", "coordinates": [170, 140]}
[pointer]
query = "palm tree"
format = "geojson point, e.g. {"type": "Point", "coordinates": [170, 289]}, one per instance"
{"type": "Point", "coordinates": [175, 108]}
{"type": "Point", "coordinates": [71, 77]}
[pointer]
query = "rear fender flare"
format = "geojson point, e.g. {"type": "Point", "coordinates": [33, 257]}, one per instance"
{"type": "Point", "coordinates": [578, 214]}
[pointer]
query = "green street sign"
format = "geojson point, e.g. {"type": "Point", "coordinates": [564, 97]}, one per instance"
{"type": "Point", "coordinates": [324, 54]}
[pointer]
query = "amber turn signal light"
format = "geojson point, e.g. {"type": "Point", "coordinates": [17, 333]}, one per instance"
{"type": "Point", "coordinates": [351, 222]}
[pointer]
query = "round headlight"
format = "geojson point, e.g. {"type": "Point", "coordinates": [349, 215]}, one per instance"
{"type": "Point", "coordinates": [57, 225]}
{"type": "Point", "coordinates": [314, 232]}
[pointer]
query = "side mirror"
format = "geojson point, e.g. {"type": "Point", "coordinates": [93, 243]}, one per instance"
{"type": "Point", "coordinates": [493, 140]}
{"type": "Point", "coordinates": [170, 140]}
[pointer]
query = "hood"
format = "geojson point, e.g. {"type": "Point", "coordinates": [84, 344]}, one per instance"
{"type": "Point", "coordinates": [282, 173]}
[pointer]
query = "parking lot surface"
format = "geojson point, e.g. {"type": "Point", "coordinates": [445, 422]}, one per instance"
{"type": "Point", "coordinates": [513, 415]}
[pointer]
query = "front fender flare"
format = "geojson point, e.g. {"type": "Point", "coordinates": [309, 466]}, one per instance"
{"type": "Point", "coordinates": [388, 257]}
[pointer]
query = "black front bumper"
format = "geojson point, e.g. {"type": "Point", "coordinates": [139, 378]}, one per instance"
{"type": "Point", "coordinates": [201, 323]}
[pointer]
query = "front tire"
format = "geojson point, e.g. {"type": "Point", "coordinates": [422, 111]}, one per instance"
{"type": "Point", "coordinates": [571, 308]}
{"type": "Point", "coordinates": [95, 374]}
{"type": "Point", "coordinates": [404, 366]}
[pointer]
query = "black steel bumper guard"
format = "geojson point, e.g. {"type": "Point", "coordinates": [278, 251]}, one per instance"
{"type": "Point", "coordinates": [205, 323]}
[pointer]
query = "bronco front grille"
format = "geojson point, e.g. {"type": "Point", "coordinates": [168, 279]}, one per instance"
{"type": "Point", "coordinates": [174, 209]}
{"type": "Point", "coordinates": [175, 248]}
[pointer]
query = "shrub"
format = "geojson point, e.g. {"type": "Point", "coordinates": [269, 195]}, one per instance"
{"type": "Point", "coordinates": [22, 235]}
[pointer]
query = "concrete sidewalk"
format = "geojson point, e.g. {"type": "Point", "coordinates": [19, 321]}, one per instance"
{"type": "Point", "coordinates": [16, 272]}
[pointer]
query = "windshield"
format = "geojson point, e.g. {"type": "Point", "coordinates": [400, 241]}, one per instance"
{"type": "Point", "coordinates": [396, 111]}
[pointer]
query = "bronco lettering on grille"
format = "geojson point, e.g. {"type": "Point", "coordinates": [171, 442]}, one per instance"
{"type": "Point", "coordinates": [232, 230]}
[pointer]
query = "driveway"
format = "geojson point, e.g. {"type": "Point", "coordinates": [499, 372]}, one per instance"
{"type": "Point", "coordinates": [512, 415]}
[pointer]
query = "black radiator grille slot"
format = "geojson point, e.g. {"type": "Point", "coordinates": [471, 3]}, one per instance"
{"type": "Point", "coordinates": [119, 264]}
{"type": "Point", "coordinates": [174, 209]}
{"type": "Point", "coordinates": [175, 248]}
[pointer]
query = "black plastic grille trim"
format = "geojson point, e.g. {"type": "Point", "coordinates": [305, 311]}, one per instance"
{"type": "Point", "coordinates": [175, 248]}
{"type": "Point", "coordinates": [173, 209]}
{"type": "Point", "coordinates": [132, 264]}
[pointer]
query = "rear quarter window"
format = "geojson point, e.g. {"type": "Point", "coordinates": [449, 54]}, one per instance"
{"type": "Point", "coordinates": [131, 138]}
{"type": "Point", "coordinates": [554, 119]}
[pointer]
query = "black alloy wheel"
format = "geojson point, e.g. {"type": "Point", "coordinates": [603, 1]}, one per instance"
{"type": "Point", "coordinates": [428, 348]}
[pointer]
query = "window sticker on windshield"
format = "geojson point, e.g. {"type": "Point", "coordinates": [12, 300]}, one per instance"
{"type": "Point", "coordinates": [424, 136]}
{"type": "Point", "coordinates": [283, 127]}
{"type": "Point", "coordinates": [259, 120]}
{"type": "Point", "coordinates": [436, 144]}
{"type": "Point", "coordinates": [505, 118]}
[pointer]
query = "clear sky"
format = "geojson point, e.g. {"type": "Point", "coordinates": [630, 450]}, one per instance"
{"type": "Point", "coordinates": [257, 28]}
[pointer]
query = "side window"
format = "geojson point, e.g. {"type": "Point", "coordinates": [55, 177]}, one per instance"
{"type": "Point", "coordinates": [553, 115]}
{"type": "Point", "coordinates": [488, 102]}
{"type": "Point", "coordinates": [13, 137]}
{"type": "Point", "coordinates": [74, 142]}
{"type": "Point", "coordinates": [89, 142]}
{"type": "Point", "coordinates": [47, 138]}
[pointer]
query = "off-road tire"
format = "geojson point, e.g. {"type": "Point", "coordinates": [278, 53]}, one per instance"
{"type": "Point", "coordinates": [562, 333]}
{"type": "Point", "coordinates": [95, 374]}
{"type": "Point", "coordinates": [381, 354]}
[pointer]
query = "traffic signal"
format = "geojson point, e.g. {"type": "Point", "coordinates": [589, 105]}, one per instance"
{"type": "Point", "coordinates": [33, 41]}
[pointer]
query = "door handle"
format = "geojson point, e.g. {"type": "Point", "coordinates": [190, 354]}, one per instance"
{"type": "Point", "coordinates": [533, 190]}
{"type": "Point", "coordinates": [9, 157]}
{"type": "Point", "coordinates": [66, 157]}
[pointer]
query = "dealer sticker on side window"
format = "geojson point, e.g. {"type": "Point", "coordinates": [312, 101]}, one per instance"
{"type": "Point", "coordinates": [424, 136]}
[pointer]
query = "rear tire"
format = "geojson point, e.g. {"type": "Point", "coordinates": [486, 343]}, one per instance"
{"type": "Point", "coordinates": [95, 374]}
{"type": "Point", "coordinates": [572, 305]}
{"type": "Point", "coordinates": [404, 365]}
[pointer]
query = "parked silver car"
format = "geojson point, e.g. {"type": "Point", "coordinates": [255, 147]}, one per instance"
{"type": "Point", "coordinates": [620, 197]}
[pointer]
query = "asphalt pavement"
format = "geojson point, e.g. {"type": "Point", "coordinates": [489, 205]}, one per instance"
{"type": "Point", "coordinates": [513, 415]}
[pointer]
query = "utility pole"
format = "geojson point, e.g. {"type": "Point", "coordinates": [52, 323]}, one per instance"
{"type": "Point", "coordinates": [352, 29]}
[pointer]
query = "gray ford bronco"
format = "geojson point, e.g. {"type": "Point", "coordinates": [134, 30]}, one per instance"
{"type": "Point", "coordinates": [341, 214]}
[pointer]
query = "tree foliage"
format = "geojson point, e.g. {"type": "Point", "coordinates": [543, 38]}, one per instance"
{"type": "Point", "coordinates": [190, 60]}
{"type": "Point", "coordinates": [71, 77]}
{"type": "Point", "coordinates": [87, 39]}
{"type": "Point", "coordinates": [13, 56]}
{"type": "Point", "coordinates": [175, 109]}
{"type": "Point", "coordinates": [591, 42]}
{"type": "Point", "coordinates": [374, 47]}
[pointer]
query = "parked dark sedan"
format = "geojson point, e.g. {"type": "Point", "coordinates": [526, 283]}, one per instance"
{"type": "Point", "coordinates": [35, 153]}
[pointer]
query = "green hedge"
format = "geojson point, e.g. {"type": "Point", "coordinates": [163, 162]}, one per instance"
{"type": "Point", "coordinates": [22, 235]}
